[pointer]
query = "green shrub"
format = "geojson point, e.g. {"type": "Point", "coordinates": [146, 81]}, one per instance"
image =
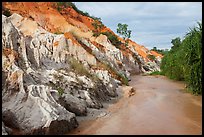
{"type": "Point", "coordinates": [97, 26]}
{"type": "Point", "coordinates": [119, 76]}
{"type": "Point", "coordinates": [156, 73]}
{"type": "Point", "coordinates": [61, 5]}
{"type": "Point", "coordinates": [78, 67]}
{"type": "Point", "coordinates": [56, 87]}
{"type": "Point", "coordinates": [192, 45]}
{"type": "Point", "coordinates": [151, 57]}
{"type": "Point", "coordinates": [184, 60]}
{"type": "Point", "coordinates": [60, 91]}
{"type": "Point", "coordinates": [59, 8]}
{"type": "Point", "coordinates": [6, 12]}
{"type": "Point", "coordinates": [123, 78]}
{"type": "Point", "coordinates": [96, 34]}
{"type": "Point", "coordinates": [113, 39]}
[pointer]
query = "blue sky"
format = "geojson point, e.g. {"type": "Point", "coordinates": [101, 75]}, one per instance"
{"type": "Point", "coordinates": [152, 23]}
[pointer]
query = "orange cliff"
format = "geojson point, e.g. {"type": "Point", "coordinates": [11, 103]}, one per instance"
{"type": "Point", "coordinates": [47, 16]}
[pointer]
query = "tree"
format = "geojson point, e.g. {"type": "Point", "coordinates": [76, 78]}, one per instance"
{"type": "Point", "coordinates": [176, 43]}
{"type": "Point", "coordinates": [124, 32]}
{"type": "Point", "coordinates": [154, 48]}
{"type": "Point", "coordinates": [160, 51]}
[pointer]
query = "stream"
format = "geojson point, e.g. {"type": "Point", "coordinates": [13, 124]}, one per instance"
{"type": "Point", "coordinates": [160, 106]}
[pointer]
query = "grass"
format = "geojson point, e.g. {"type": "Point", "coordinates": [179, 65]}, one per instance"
{"type": "Point", "coordinates": [81, 70]}
{"type": "Point", "coordinates": [60, 91]}
{"type": "Point", "coordinates": [56, 87]}
{"type": "Point", "coordinates": [156, 73]}
{"type": "Point", "coordinates": [123, 79]}
{"type": "Point", "coordinates": [151, 57]}
{"type": "Point", "coordinates": [115, 73]}
{"type": "Point", "coordinates": [78, 67]}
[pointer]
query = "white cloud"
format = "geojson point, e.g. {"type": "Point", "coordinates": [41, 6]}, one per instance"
{"type": "Point", "coordinates": [152, 23]}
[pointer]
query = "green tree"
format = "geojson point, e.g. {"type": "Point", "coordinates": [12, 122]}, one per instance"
{"type": "Point", "coordinates": [160, 51]}
{"type": "Point", "coordinates": [124, 32]}
{"type": "Point", "coordinates": [154, 49]}
{"type": "Point", "coordinates": [176, 42]}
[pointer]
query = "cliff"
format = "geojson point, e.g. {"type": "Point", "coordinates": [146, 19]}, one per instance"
{"type": "Point", "coordinates": [54, 68]}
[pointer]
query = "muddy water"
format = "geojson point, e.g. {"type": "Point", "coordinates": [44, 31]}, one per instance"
{"type": "Point", "coordinates": [158, 107]}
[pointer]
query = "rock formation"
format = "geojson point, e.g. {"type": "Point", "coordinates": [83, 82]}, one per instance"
{"type": "Point", "coordinates": [49, 78]}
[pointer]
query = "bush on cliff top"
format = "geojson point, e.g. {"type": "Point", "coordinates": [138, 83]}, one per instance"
{"type": "Point", "coordinates": [61, 5]}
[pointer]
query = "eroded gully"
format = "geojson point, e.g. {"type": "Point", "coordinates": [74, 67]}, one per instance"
{"type": "Point", "coordinates": [159, 107]}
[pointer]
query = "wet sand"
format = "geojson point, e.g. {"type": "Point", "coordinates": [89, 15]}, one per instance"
{"type": "Point", "coordinates": [159, 107]}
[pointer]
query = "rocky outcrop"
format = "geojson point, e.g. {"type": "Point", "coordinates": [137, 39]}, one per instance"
{"type": "Point", "coordinates": [36, 111]}
{"type": "Point", "coordinates": [49, 17]}
{"type": "Point", "coordinates": [128, 91]}
{"type": "Point", "coordinates": [48, 79]}
{"type": "Point", "coordinates": [4, 130]}
{"type": "Point", "coordinates": [26, 105]}
{"type": "Point", "coordinates": [73, 104]}
{"type": "Point", "coordinates": [38, 83]}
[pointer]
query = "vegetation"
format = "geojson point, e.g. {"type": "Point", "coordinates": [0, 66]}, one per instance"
{"type": "Point", "coordinates": [78, 67]}
{"type": "Point", "coordinates": [61, 5]}
{"type": "Point", "coordinates": [184, 60]}
{"type": "Point", "coordinates": [160, 51]}
{"type": "Point", "coordinates": [113, 38]}
{"type": "Point", "coordinates": [60, 91]}
{"type": "Point", "coordinates": [123, 78]}
{"type": "Point", "coordinates": [6, 12]}
{"type": "Point", "coordinates": [117, 75]}
{"type": "Point", "coordinates": [97, 25]}
{"type": "Point", "coordinates": [156, 73]}
{"type": "Point", "coordinates": [151, 57]}
{"type": "Point", "coordinates": [122, 30]}
{"type": "Point", "coordinates": [56, 86]}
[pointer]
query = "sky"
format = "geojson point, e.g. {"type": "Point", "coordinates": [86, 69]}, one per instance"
{"type": "Point", "coordinates": [153, 24]}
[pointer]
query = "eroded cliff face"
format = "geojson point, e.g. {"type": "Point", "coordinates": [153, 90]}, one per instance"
{"type": "Point", "coordinates": [49, 78]}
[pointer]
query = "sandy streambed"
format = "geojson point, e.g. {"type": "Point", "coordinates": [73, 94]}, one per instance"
{"type": "Point", "coordinates": [158, 107]}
